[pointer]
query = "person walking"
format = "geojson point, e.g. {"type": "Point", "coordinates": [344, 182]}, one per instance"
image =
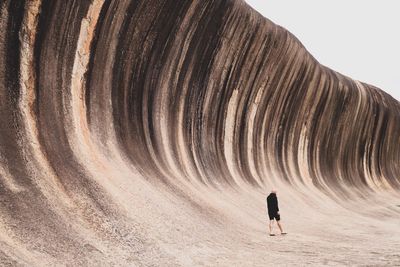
{"type": "Point", "coordinates": [273, 212]}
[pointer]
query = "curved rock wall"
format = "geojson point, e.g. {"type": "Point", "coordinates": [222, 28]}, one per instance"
{"type": "Point", "coordinates": [106, 104]}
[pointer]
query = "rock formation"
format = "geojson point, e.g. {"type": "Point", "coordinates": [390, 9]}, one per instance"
{"type": "Point", "coordinates": [147, 132]}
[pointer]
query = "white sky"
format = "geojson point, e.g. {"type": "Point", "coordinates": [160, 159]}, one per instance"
{"type": "Point", "coordinates": [358, 38]}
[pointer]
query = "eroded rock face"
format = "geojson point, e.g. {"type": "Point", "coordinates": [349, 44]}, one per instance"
{"type": "Point", "coordinates": [125, 125]}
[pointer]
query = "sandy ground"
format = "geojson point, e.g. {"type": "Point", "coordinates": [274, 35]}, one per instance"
{"type": "Point", "coordinates": [232, 229]}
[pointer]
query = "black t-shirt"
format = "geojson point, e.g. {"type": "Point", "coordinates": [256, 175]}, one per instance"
{"type": "Point", "coordinates": [272, 203]}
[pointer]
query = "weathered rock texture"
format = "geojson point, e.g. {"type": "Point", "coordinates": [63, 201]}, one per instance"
{"type": "Point", "coordinates": [147, 132]}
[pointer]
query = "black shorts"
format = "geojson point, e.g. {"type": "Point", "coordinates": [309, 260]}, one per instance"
{"type": "Point", "coordinates": [275, 216]}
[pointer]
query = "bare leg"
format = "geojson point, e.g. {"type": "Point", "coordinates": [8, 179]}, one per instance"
{"type": "Point", "coordinates": [271, 223]}
{"type": "Point", "coordinates": [280, 226]}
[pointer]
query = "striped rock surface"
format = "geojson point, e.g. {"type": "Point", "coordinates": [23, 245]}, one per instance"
{"type": "Point", "coordinates": [148, 133]}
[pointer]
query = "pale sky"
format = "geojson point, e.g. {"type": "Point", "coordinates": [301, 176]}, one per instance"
{"type": "Point", "coordinates": [358, 38]}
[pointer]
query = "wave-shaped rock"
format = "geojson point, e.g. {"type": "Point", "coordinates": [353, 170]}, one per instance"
{"type": "Point", "coordinates": [146, 132]}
